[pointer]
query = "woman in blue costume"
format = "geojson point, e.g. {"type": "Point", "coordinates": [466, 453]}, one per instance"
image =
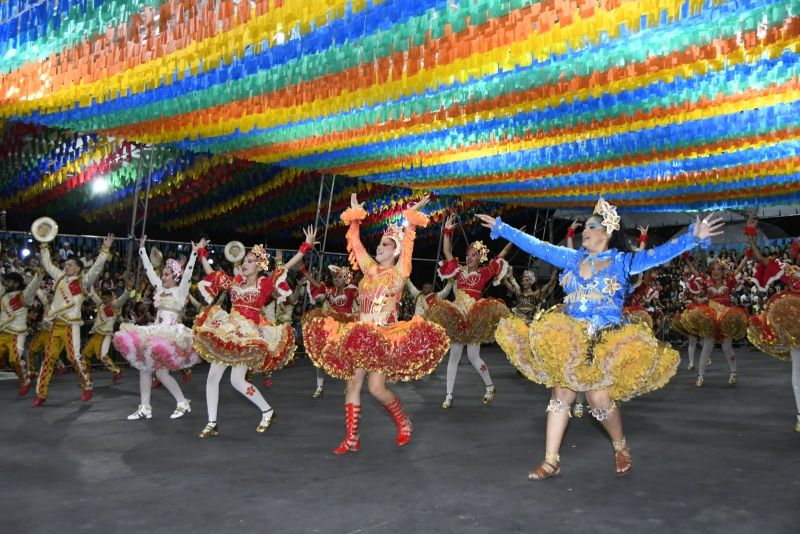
{"type": "Point", "coordinates": [585, 346]}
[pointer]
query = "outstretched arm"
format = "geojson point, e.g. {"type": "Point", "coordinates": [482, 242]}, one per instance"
{"type": "Point", "coordinates": [415, 218]}
{"type": "Point", "coordinates": [558, 256]}
{"type": "Point", "coordinates": [152, 277]}
{"type": "Point", "coordinates": [699, 233]}
{"type": "Point", "coordinates": [571, 233]}
{"type": "Point", "coordinates": [447, 240]}
{"type": "Point", "coordinates": [44, 254]}
{"type": "Point", "coordinates": [29, 293]}
{"type": "Point", "coordinates": [308, 244]}
{"type": "Point", "coordinates": [359, 258]}
{"type": "Point", "coordinates": [97, 267]}
{"type": "Point", "coordinates": [412, 289]}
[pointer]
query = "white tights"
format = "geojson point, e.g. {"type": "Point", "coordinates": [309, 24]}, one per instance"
{"type": "Point", "coordinates": [146, 384]}
{"type": "Point", "coordinates": [474, 355]}
{"type": "Point", "coordinates": [320, 377]}
{"type": "Point", "coordinates": [239, 384]}
{"type": "Point", "coordinates": [796, 377]}
{"type": "Point", "coordinates": [705, 354]}
{"type": "Point", "coordinates": [692, 349]}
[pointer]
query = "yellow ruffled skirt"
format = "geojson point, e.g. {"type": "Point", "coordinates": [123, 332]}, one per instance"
{"type": "Point", "coordinates": [777, 330]}
{"type": "Point", "coordinates": [476, 327]}
{"type": "Point", "coordinates": [557, 350]}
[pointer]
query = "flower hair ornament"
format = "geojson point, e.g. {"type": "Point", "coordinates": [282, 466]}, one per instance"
{"type": "Point", "coordinates": [262, 258]}
{"type": "Point", "coordinates": [396, 233]}
{"type": "Point", "coordinates": [346, 273]}
{"type": "Point", "coordinates": [609, 214]}
{"type": "Point", "coordinates": [530, 275]}
{"type": "Point", "coordinates": [176, 268]}
{"type": "Point", "coordinates": [481, 249]}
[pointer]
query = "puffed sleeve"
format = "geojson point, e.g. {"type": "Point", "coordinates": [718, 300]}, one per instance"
{"type": "Point", "coordinates": [212, 284]}
{"type": "Point", "coordinates": [498, 267]}
{"type": "Point", "coordinates": [766, 275]}
{"type": "Point", "coordinates": [277, 286]}
{"type": "Point", "coordinates": [447, 268]}
{"type": "Point", "coordinates": [553, 254]}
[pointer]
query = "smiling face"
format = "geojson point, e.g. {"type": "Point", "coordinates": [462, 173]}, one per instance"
{"type": "Point", "coordinates": [473, 258]}
{"type": "Point", "coordinates": [594, 236]}
{"type": "Point", "coordinates": [250, 265]}
{"type": "Point", "coordinates": [168, 278]}
{"type": "Point", "coordinates": [717, 272]}
{"type": "Point", "coordinates": [385, 251]}
{"type": "Point", "coordinates": [72, 268]}
{"type": "Point", "coordinates": [527, 283]}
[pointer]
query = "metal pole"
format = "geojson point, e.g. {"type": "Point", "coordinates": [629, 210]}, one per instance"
{"type": "Point", "coordinates": [131, 232]}
{"type": "Point", "coordinates": [327, 223]}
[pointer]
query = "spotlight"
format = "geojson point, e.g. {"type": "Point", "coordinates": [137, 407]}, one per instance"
{"type": "Point", "coordinates": [211, 261]}
{"type": "Point", "coordinates": [99, 186]}
{"type": "Point", "coordinates": [25, 253]}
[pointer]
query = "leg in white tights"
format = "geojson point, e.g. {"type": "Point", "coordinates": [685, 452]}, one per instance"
{"type": "Point", "coordinates": [692, 350]}
{"type": "Point", "coordinates": [705, 354]}
{"type": "Point", "coordinates": [247, 389]}
{"type": "Point", "coordinates": [474, 355]}
{"type": "Point", "coordinates": [796, 382]}
{"type": "Point", "coordinates": [172, 386]}
{"type": "Point", "coordinates": [452, 365]}
{"type": "Point", "coordinates": [727, 349]}
{"type": "Point", "coordinates": [244, 387]}
{"type": "Point", "coordinates": [215, 373]}
{"type": "Point", "coordinates": [320, 378]}
{"type": "Point", "coordinates": [145, 384]}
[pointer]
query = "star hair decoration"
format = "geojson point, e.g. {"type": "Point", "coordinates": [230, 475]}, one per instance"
{"type": "Point", "coordinates": [396, 233]}
{"type": "Point", "coordinates": [344, 271]}
{"type": "Point", "coordinates": [481, 249]}
{"type": "Point", "coordinates": [262, 258]}
{"type": "Point", "coordinates": [609, 214]}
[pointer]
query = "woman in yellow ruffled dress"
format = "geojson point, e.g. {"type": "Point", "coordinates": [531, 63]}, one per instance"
{"type": "Point", "coordinates": [377, 347]}
{"type": "Point", "coordinates": [470, 320]}
{"type": "Point", "coordinates": [586, 347]}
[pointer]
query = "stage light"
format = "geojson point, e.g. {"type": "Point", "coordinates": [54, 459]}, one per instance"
{"type": "Point", "coordinates": [99, 186]}
{"type": "Point", "coordinates": [25, 253]}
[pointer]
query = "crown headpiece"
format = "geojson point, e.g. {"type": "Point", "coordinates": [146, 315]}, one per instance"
{"type": "Point", "coordinates": [344, 271]}
{"type": "Point", "coordinates": [609, 214]}
{"type": "Point", "coordinates": [262, 258]}
{"type": "Point", "coordinates": [529, 274]}
{"type": "Point", "coordinates": [481, 249]}
{"type": "Point", "coordinates": [396, 233]}
{"type": "Point", "coordinates": [176, 268]}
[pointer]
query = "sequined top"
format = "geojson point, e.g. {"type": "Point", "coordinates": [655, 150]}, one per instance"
{"type": "Point", "coordinates": [473, 282]}
{"type": "Point", "coordinates": [344, 302]}
{"type": "Point", "coordinates": [721, 294]}
{"type": "Point", "coordinates": [247, 301]}
{"type": "Point", "coordinates": [600, 298]}
{"type": "Point", "coordinates": [169, 302]}
{"type": "Point", "coordinates": [381, 288]}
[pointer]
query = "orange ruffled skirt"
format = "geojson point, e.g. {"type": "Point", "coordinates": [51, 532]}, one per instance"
{"type": "Point", "coordinates": [476, 327]}
{"type": "Point", "coordinates": [777, 330]}
{"type": "Point", "coordinates": [232, 339]}
{"type": "Point", "coordinates": [715, 320]}
{"type": "Point", "coordinates": [557, 350]}
{"type": "Point", "coordinates": [406, 350]}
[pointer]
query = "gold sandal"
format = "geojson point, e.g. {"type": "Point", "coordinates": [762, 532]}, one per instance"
{"type": "Point", "coordinates": [622, 457]}
{"type": "Point", "coordinates": [551, 467]}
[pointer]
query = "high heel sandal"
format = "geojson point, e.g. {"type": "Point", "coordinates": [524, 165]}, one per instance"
{"type": "Point", "coordinates": [448, 402]}
{"type": "Point", "coordinates": [209, 431]}
{"type": "Point", "coordinates": [351, 442]}
{"type": "Point", "coordinates": [551, 467]}
{"type": "Point", "coordinates": [267, 418]}
{"type": "Point", "coordinates": [622, 457]}
{"type": "Point", "coordinates": [488, 397]}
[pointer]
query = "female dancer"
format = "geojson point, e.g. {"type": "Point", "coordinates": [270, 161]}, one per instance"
{"type": "Point", "coordinates": [339, 300]}
{"type": "Point", "coordinates": [719, 319]}
{"type": "Point", "coordinates": [693, 293]}
{"type": "Point", "coordinates": [586, 348]}
{"type": "Point", "coordinates": [469, 320]}
{"type": "Point", "coordinates": [244, 338]}
{"type": "Point", "coordinates": [777, 331]}
{"type": "Point", "coordinates": [166, 345]}
{"type": "Point", "coordinates": [529, 300]}
{"type": "Point", "coordinates": [377, 346]}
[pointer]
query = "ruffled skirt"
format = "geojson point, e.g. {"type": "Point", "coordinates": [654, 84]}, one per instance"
{"type": "Point", "coordinates": [158, 346]}
{"type": "Point", "coordinates": [232, 339]}
{"type": "Point", "coordinates": [777, 330]}
{"type": "Point", "coordinates": [715, 320]}
{"type": "Point", "coordinates": [320, 312]}
{"type": "Point", "coordinates": [557, 350]}
{"type": "Point", "coordinates": [638, 315]}
{"type": "Point", "coordinates": [406, 350]}
{"type": "Point", "coordinates": [476, 327]}
{"type": "Point", "coordinates": [677, 325]}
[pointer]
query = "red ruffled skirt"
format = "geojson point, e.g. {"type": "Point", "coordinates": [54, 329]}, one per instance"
{"type": "Point", "coordinates": [233, 339]}
{"type": "Point", "coordinates": [777, 330]}
{"type": "Point", "coordinates": [715, 320]}
{"type": "Point", "coordinates": [476, 327]}
{"type": "Point", "coordinates": [406, 350]}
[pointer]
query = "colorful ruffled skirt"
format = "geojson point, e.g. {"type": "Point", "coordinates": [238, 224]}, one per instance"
{"type": "Point", "coordinates": [475, 327]}
{"type": "Point", "coordinates": [677, 325]}
{"type": "Point", "coordinates": [233, 339]}
{"type": "Point", "coordinates": [777, 330]}
{"type": "Point", "coordinates": [320, 312]}
{"type": "Point", "coordinates": [638, 315]}
{"type": "Point", "coordinates": [158, 346]}
{"type": "Point", "coordinates": [557, 350]}
{"type": "Point", "coordinates": [405, 350]}
{"type": "Point", "coordinates": [715, 320]}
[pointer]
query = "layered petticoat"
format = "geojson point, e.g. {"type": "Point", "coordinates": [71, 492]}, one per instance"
{"type": "Point", "coordinates": [158, 346]}
{"type": "Point", "coordinates": [557, 350]}
{"type": "Point", "coordinates": [715, 321]}
{"type": "Point", "coordinates": [467, 321]}
{"type": "Point", "coordinates": [232, 339]}
{"type": "Point", "coordinates": [405, 350]}
{"type": "Point", "coordinates": [777, 330]}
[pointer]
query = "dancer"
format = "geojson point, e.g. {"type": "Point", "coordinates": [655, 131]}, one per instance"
{"type": "Point", "coordinates": [339, 300]}
{"type": "Point", "coordinates": [40, 328]}
{"type": "Point", "coordinates": [425, 297]}
{"type": "Point", "coordinates": [777, 331]}
{"type": "Point", "coordinates": [718, 320]}
{"type": "Point", "coordinates": [99, 344]}
{"type": "Point", "coordinates": [65, 311]}
{"type": "Point", "coordinates": [244, 338]}
{"type": "Point", "coordinates": [15, 298]}
{"type": "Point", "coordinates": [642, 305]}
{"type": "Point", "coordinates": [165, 345]}
{"type": "Point", "coordinates": [378, 347]}
{"type": "Point", "coordinates": [694, 293]}
{"type": "Point", "coordinates": [586, 347]}
{"type": "Point", "coordinates": [470, 320]}
{"type": "Point", "coordinates": [529, 300]}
